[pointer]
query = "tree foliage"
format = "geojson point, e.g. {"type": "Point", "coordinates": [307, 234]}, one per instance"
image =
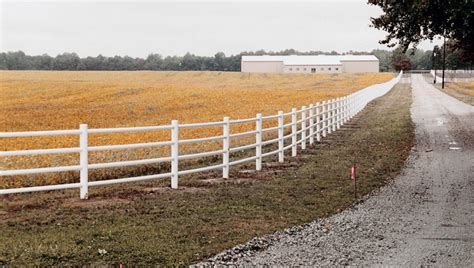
{"type": "Point", "coordinates": [71, 61]}
{"type": "Point", "coordinates": [413, 58]}
{"type": "Point", "coordinates": [410, 21]}
{"type": "Point", "coordinates": [400, 61]}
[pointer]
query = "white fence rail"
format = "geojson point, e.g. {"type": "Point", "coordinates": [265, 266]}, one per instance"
{"type": "Point", "coordinates": [449, 76]}
{"type": "Point", "coordinates": [308, 124]}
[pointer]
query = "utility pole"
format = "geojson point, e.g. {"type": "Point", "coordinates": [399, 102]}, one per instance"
{"type": "Point", "coordinates": [444, 60]}
{"type": "Point", "coordinates": [434, 65]}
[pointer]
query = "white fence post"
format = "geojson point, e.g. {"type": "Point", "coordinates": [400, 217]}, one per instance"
{"type": "Point", "coordinates": [356, 105]}
{"type": "Point", "coordinates": [318, 123]}
{"type": "Point", "coordinates": [84, 161]}
{"type": "Point", "coordinates": [303, 127]}
{"type": "Point", "coordinates": [351, 105]}
{"type": "Point", "coordinates": [325, 117]}
{"type": "Point", "coordinates": [348, 108]}
{"type": "Point", "coordinates": [174, 153]}
{"type": "Point", "coordinates": [334, 115]}
{"type": "Point", "coordinates": [334, 120]}
{"type": "Point", "coordinates": [293, 132]}
{"type": "Point", "coordinates": [344, 109]}
{"type": "Point", "coordinates": [338, 113]}
{"type": "Point", "coordinates": [226, 147]}
{"type": "Point", "coordinates": [330, 115]}
{"type": "Point", "coordinates": [344, 102]}
{"type": "Point", "coordinates": [311, 124]}
{"type": "Point", "coordinates": [281, 133]}
{"type": "Point", "coordinates": [258, 141]}
{"type": "Point", "coordinates": [341, 102]}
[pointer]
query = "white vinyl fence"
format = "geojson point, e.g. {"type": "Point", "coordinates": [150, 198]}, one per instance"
{"type": "Point", "coordinates": [448, 76]}
{"type": "Point", "coordinates": [308, 124]}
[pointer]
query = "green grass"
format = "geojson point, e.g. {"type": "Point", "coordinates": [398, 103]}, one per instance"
{"type": "Point", "coordinates": [205, 216]}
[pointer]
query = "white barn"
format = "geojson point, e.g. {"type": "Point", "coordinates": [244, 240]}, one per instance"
{"type": "Point", "coordinates": [310, 64]}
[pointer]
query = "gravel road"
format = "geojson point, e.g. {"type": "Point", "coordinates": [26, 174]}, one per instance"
{"type": "Point", "coordinates": [424, 217]}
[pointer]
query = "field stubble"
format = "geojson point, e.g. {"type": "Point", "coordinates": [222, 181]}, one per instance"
{"type": "Point", "coordinates": [35, 100]}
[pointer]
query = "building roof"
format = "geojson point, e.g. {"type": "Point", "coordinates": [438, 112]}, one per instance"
{"type": "Point", "coordinates": [311, 59]}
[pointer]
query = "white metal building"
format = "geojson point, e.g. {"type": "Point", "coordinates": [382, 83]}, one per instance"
{"type": "Point", "coordinates": [310, 64]}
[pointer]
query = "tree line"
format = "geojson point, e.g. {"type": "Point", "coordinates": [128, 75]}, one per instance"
{"type": "Point", "coordinates": [390, 60]}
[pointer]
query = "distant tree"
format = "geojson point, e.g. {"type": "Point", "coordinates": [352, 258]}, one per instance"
{"type": "Point", "coordinates": [411, 21]}
{"type": "Point", "coordinates": [66, 61]}
{"type": "Point", "coordinates": [400, 61]}
{"type": "Point", "coordinates": [3, 61]}
{"type": "Point", "coordinates": [17, 61]}
{"type": "Point", "coordinates": [456, 58]}
{"type": "Point", "coordinates": [127, 63]}
{"type": "Point", "coordinates": [92, 63]}
{"type": "Point", "coordinates": [172, 63]}
{"type": "Point", "coordinates": [420, 60]}
{"type": "Point", "coordinates": [113, 63]}
{"type": "Point", "coordinates": [189, 62]}
{"type": "Point", "coordinates": [385, 59]}
{"type": "Point", "coordinates": [154, 62]}
{"type": "Point", "coordinates": [43, 62]}
{"type": "Point", "coordinates": [234, 62]}
{"type": "Point", "coordinates": [219, 60]}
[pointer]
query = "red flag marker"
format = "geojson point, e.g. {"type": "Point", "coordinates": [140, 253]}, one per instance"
{"type": "Point", "coordinates": [353, 172]}
{"type": "Point", "coordinates": [354, 178]}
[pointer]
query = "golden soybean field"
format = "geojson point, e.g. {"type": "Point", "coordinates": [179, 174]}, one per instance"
{"type": "Point", "coordinates": [52, 100]}
{"type": "Point", "coordinates": [465, 88]}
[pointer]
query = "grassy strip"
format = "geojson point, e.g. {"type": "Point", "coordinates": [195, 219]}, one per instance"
{"type": "Point", "coordinates": [206, 215]}
{"type": "Point", "coordinates": [463, 91]}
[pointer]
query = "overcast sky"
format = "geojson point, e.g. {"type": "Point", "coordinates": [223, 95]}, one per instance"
{"type": "Point", "coordinates": [139, 28]}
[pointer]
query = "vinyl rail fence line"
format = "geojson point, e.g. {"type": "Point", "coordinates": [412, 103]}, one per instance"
{"type": "Point", "coordinates": [310, 123]}
{"type": "Point", "coordinates": [449, 76]}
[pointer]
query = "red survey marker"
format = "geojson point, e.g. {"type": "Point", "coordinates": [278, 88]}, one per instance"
{"type": "Point", "coordinates": [353, 172]}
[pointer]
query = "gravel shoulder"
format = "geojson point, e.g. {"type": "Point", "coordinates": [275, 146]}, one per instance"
{"type": "Point", "coordinates": [423, 217]}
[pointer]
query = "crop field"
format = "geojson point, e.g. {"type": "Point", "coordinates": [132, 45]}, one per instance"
{"type": "Point", "coordinates": [35, 100]}
{"type": "Point", "coordinates": [461, 90]}
{"type": "Point", "coordinates": [464, 91]}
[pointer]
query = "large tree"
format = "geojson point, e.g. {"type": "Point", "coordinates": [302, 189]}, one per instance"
{"type": "Point", "coordinates": [410, 21]}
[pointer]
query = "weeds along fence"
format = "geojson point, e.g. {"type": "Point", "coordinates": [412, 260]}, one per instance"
{"type": "Point", "coordinates": [308, 125]}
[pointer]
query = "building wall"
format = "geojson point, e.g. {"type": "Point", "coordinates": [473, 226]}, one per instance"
{"type": "Point", "coordinates": [360, 66]}
{"type": "Point", "coordinates": [279, 67]}
{"type": "Point", "coordinates": [262, 66]}
{"type": "Point", "coordinates": [309, 69]}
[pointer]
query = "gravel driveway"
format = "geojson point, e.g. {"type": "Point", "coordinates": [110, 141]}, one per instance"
{"type": "Point", "coordinates": [424, 217]}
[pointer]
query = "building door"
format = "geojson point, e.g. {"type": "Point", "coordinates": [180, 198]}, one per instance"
{"type": "Point", "coordinates": [313, 70]}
